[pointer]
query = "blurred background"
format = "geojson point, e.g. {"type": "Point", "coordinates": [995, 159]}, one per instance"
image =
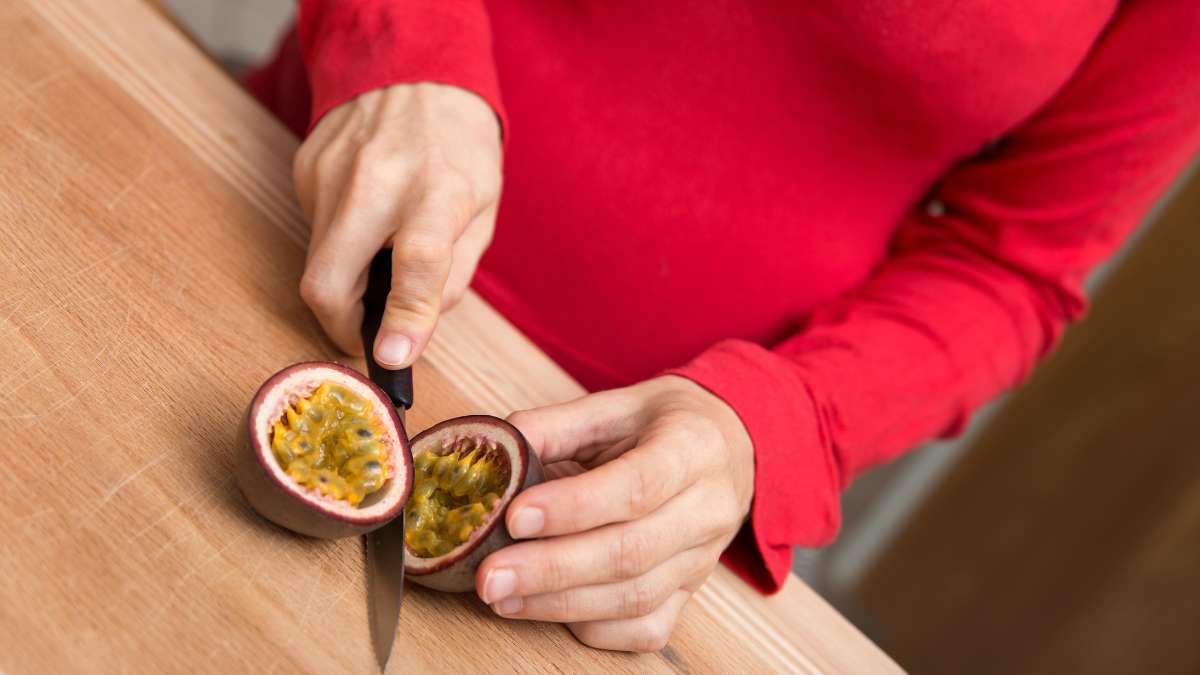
{"type": "Point", "coordinates": [1061, 532]}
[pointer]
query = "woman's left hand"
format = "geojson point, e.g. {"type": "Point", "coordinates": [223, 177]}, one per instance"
{"type": "Point", "coordinates": [670, 476]}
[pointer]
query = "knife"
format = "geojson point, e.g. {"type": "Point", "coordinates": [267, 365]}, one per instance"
{"type": "Point", "coordinates": [385, 546]}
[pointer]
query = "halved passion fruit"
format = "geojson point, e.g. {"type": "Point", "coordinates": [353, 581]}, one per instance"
{"type": "Point", "coordinates": [323, 452]}
{"type": "Point", "coordinates": [466, 471]}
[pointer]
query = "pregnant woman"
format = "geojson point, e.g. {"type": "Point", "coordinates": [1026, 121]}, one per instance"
{"type": "Point", "coordinates": [779, 242]}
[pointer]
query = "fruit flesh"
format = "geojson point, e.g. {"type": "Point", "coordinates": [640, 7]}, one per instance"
{"type": "Point", "coordinates": [329, 441]}
{"type": "Point", "coordinates": [453, 492]}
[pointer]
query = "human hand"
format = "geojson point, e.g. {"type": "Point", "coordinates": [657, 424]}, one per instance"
{"type": "Point", "coordinates": [669, 483]}
{"type": "Point", "coordinates": [411, 166]}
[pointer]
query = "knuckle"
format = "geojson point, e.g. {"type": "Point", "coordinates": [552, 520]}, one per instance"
{"type": "Point", "coordinates": [371, 155]}
{"type": "Point", "coordinates": [726, 518]}
{"type": "Point", "coordinates": [444, 208]}
{"type": "Point", "coordinates": [485, 194]}
{"type": "Point", "coordinates": [588, 633]}
{"type": "Point", "coordinates": [417, 311]}
{"type": "Point", "coordinates": [489, 233]}
{"type": "Point", "coordinates": [641, 597]}
{"type": "Point", "coordinates": [562, 606]}
{"type": "Point", "coordinates": [710, 431]}
{"type": "Point", "coordinates": [701, 438]}
{"type": "Point", "coordinates": [432, 160]}
{"type": "Point", "coordinates": [316, 291]}
{"type": "Point", "coordinates": [697, 430]}
{"type": "Point", "coordinates": [452, 296]}
{"type": "Point", "coordinates": [444, 186]}
{"type": "Point", "coordinates": [645, 488]}
{"type": "Point", "coordinates": [726, 523]}
{"type": "Point", "coordinates": [326, 164]}
{"type": "Point", "coordinates": [422, 250]}
{"type": "Point", "coordinates": [732, 513]}
{"type": "Point", "coordinates": [489, 192]}
{"type": "Point", "coordinates": [582, 499]}
{"type": "Point", "coordinates": [637, 492]}
{"type": "Point", "coordinates": [699, 569]}
{"type": "Point", "coordinates": [553, 574]}
{"type": "Point", "coordinates": [447, 179]}
{"type": "Point", "coordinates": [654, 636]}
{"type": "Point", "coordinates": [630, 555]}
{"type": "Point", "coordinates": [373, 168]}
{"type": "Point", "coordinates": [362, 136]}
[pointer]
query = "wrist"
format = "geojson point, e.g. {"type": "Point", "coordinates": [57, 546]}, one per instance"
{"type": "Point", "coordinates": [446, 103]}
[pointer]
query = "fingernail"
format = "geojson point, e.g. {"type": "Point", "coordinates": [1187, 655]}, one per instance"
{"type": "Point", "coordinates": [527, 522]}
{"type": "Point", "coordinates": [392, 350]}
{"type": "Point", "coordinates": [509, 606]}
{"type": "Point", "coordinates": [498, 585]}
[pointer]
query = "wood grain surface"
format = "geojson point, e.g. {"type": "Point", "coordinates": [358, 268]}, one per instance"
{"type": "Point", "coordinates": [151, 250]}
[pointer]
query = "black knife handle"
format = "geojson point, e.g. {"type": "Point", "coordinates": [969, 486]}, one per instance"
{"type": "Point", "coordinates": [397, 384]}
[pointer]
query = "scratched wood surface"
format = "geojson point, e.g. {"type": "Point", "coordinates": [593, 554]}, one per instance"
{"type": "Point", "coordinates": [149, 260]}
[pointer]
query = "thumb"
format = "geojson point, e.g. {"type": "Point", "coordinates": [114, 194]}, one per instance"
{"type": "Point", "coordinates": [579, 430]}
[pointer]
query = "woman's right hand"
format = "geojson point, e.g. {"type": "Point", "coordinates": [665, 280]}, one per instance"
{"type": "Point", "coordinates": [411, 166]}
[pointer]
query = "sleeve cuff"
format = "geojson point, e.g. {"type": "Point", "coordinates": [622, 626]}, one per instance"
{"type": "Point", "coordinates": [351, 48]}
{"type": "Point", "coordinates": [796, 478]}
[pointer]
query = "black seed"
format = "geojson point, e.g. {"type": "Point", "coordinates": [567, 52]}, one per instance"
{"type": "Point", "coordinates": [364, 433]}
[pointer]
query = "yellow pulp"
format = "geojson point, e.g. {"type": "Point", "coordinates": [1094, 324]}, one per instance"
{"type": "Point", "coordinates": [328, 441]}
{"type": "Point", "coordinates": [452, 493]}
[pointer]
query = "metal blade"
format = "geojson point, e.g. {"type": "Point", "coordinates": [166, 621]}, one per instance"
{"type": "Point", "coordinates": [385, 585]}
{"type": "Point", "coordinates": [385, 546]}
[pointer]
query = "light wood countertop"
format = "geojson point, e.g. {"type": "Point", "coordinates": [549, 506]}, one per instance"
{"type": "Point", "coordinates": [151, 250]}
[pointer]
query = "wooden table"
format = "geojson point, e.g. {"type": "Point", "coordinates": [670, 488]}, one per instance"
{"type": "Point", "coordinates": [151, 248]}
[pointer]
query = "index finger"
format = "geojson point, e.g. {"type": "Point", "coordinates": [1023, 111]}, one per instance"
{"type": "Point", "coordinates": [628, 487]}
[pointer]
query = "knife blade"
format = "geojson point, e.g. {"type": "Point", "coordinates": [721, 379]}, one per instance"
{"type": "Point", "coordinates": [384, 548]}
{"type": "Point", "coordinates": [385, 586]}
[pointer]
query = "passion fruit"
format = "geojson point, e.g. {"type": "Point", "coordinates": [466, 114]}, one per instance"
{"type": "Point", "coordinates": [323, 453]}
{"type": "Point", "coordinates": [466, 472]}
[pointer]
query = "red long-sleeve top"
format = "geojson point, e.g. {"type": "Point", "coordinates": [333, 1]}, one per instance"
{"type": "Point", "coordinates": [853, 222]}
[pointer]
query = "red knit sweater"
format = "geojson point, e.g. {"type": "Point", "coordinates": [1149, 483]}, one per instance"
{"type": "Point", "coordinates": [853, 221]}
